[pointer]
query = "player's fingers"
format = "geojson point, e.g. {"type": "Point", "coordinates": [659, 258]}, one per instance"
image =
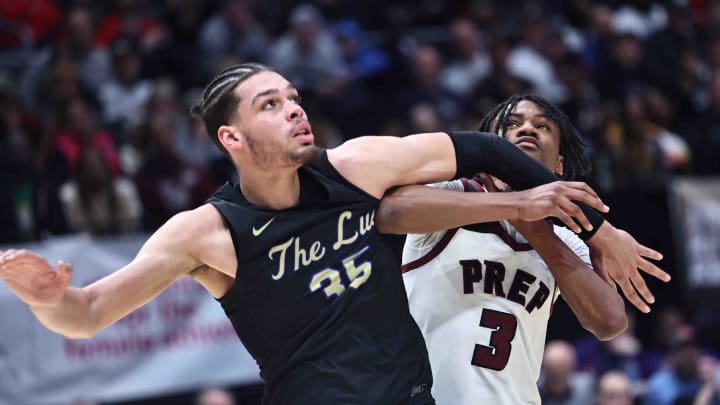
{"type": "Point", "coordinates": [593, 201]}
{"type": "Point", "coordinates": [653, 270]}
{"type": "Point", "coordinates": [5, 256]}
{"type": "Point", "coordinates": [581, 185]}
{"type": "Point", "coordinates": [649, 253]}
{"type": "Point", "coordinates": [65, 269]}
{"type": "Point", "coordinates": [27, 256]}
{"type": "Point", "coordinates": [639, 283]}
{"type": "Point", "coordinates": [574, 211]}
{"type": "Point", "coordinates": [632, 296]}
{"type": "Point", "coordinates": [567, 220]}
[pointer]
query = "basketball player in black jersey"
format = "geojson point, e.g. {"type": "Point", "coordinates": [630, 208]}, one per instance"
{"type": "Point", "coordinates": [292, 253]}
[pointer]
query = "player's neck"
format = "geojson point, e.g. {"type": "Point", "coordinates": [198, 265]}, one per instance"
{"type": "Point", "coordinates": [275, 190]}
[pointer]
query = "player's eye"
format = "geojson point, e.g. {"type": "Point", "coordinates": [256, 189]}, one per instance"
{"type": "Point", "coordinates": [295, 98]}
{"type": "Point", "coordinates": [269, 104]}
{"type": "Point", "coordinates": [513, 124]}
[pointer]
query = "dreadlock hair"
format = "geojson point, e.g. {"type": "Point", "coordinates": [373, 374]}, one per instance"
{"type": "Point", "coordinates": [575, 163]}
{"type": "Point", "coordinates": [219, 100]}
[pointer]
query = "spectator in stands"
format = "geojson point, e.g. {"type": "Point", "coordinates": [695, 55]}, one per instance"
{"type": "Point", "coordinates": [128, 18]}
{"type": "Point", "coordinates": [426, 86]}
{"type": "Point", "coordinates": [678, 381]}
{"type": "Point", "coordinates": [17, 206]}
{"type": "Point", "coordinates": [175, 54]}
{"type": "Point", "coordinates": [167, 183]}
{"type": "Point", "coordinates": [500, 85]}
{"type": "Point", "coordinates": [708, 373]}
{"type": "Point", "coordinates": [642, 153]}
{"type": "Point", "coordinates": [31, 170]}
{"type": "Point", "coordinates": [97, 203]}
{"type": "Point", "coordinates": [368, 67]}
{"type": "Point", "coordinates": [363, 60]}
{"type": "Point", "coordinates": [309, 56]}
{"type": "Point", "coordinates": [614, 388]}
{"type": "Point", "coordinates": [470, 64]}
{"type": "Point", "coordinates": [125, 94]}
{"type": "Point", "coordinates": [625, 70]}
{"type": "Point", "coordinates": [424, 118]}
{"type": "Point", "coordinates": [559, 383]}
{"type": "Point", "coordinates": [529, 59]}
{"type": "Point", "coordinates": [76, 44]}
{"type": "Point", "coordinates": [78, 131]}
{"type": "Point", "coordinates": [622, 353]}
{"type": "Point", "coordinates": [640, 18]}
{"type": "Point", "coordinates": [233, 31]}
{"type": "Point", "coordinates": [706, 142]}
{"type": "Point", "coordinates": [36, 19]}
{"type": "Point", "coordinates": [215, 396]}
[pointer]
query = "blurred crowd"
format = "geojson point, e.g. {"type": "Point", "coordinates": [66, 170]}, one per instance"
{"type": "Point", "coordinates": [96, 137]}
{"type": "Point", "coordinates": [95, 134]}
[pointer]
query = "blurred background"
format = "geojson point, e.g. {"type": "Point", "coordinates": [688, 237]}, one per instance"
{"type": "Point", "coordinates": [97, 149]}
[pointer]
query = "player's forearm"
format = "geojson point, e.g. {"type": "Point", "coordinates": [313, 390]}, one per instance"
{"type": "Point", "coordinates": [477, 152]}
{"type": "Point", "coordinates": [422, 209]}
{"type": "Point", "coordinates": [72, 317]}
{"type": "Point", "coordinates": [597, 306]}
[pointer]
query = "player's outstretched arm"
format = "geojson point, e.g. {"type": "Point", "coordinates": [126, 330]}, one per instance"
{"type": "Point", "coordinates": [423, 209]}
{"type": "Point", "coordinates": [82, 312]}
{"type": "Point", "coordinates": [597, 305]}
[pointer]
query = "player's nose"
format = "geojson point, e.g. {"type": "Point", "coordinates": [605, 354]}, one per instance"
{"type": "Point", "coordinates": [527, 129]}
{"type": "Point", "coordinates": [294, 111]}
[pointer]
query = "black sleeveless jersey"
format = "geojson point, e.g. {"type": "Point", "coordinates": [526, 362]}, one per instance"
{"type": "Point", "coordinates": [318, 298]}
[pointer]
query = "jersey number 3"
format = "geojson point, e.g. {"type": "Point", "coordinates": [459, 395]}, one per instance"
{"type": "Point", "coordinates": [496, 355]}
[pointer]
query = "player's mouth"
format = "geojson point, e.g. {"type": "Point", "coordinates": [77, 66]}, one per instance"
{"type": "Point", "coordinates": [527, 142]}
{"type": "Point", "coordinates": [303, 133]}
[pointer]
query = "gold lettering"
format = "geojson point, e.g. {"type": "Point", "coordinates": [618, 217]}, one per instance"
{"type": "Point", "coordinates": [282, 248]}
{"type": "Point", "coordinates": [341, 237]}
{"type": "Point", "coordinates": [317, 251]}
{"type": "Point", "coordinates": [367, 222]}
{"type": "Point", "coordinates": [300, 255]}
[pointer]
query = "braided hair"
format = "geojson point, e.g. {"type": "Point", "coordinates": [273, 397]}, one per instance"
{"type": "Point", "coordinates": [575, 163]}
{"type": "Point", "coordinates": [219, 99]}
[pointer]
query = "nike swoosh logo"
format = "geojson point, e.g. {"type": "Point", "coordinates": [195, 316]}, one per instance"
{"type": "Point", "coordinates": [257, 231]}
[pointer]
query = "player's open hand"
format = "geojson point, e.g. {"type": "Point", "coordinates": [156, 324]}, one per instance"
{"type": "Point", "coordinates": [618, 258]}
{"type": "Point", "coordinates": [33, 279]}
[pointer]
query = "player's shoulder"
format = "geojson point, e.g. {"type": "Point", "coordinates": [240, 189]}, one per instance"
{"type": "Point", "coordinates": [194, 223]}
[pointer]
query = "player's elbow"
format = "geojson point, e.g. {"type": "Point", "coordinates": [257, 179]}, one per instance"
{"type": "Point", "coordinates": [388, 218]}
{"type": "Point", "coordinates": [610, 325]}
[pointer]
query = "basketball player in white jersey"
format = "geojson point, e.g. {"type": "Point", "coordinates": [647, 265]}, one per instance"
{"type": "Point", "coordinates": [480, 293]}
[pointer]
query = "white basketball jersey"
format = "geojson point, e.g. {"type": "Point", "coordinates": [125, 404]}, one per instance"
{"type": "Point", "coordinates": [482, 298]}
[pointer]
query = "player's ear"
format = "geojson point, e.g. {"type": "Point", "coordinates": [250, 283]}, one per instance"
{"type": "Point", "coordinates": [230, 137]}
{"type": "Point", "coordinates": [559, 166]}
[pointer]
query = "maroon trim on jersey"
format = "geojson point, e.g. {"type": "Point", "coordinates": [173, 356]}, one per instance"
{"type": "Point", "coordinates": [471, 185]}
{"type": "Point", "coordinates": [498, 230]}
{"type": "Point", "coordinates": [477, 185]}
{"type": "Point", "coordinates": [439, 247]}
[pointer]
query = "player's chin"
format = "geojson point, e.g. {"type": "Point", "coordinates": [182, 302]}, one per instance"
{"type": "Point", "coordinates": [306, 153]}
